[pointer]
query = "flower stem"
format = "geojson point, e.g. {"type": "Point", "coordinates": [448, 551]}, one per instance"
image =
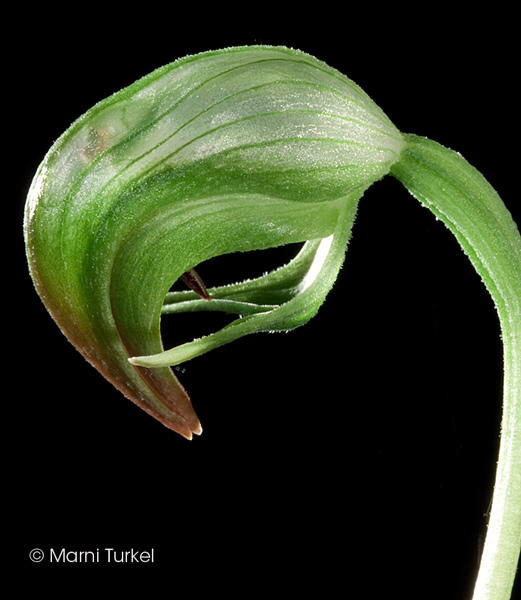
{"type": "Point", "coordinates": [460, 196]}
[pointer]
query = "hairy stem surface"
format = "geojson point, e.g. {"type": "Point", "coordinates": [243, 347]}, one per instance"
{"type": "Point", "coordinates": [460, 196]}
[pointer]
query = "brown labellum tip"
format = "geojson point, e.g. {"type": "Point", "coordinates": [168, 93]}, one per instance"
{"type": "Point", "coordinates": [193, 280]}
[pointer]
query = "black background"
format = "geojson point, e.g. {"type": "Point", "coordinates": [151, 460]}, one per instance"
{"type": "Point", "coordinates": [353, 456]}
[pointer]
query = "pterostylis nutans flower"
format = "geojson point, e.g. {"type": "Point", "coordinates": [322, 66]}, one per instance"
{"type": "Point", "coordinates": [237, 150]}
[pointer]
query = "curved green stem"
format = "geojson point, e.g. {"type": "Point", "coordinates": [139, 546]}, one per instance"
{"type": "Point", "coordinates": [460, 196]}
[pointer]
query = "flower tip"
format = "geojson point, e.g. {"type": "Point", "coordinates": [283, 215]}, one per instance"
{"type": "Point", "coordinates": [134, 361]}
{"type": "Point", "coordinates": [186, 431]}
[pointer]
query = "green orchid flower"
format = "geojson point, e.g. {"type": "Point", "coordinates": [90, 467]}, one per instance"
{"type": "Point", "coordinates": [232, 151]}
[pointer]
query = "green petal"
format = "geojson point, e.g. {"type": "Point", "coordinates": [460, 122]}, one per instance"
{"type": "Point", "coordinates": [297, 291]}
{"type": "Point", "coordinates": [233, 150]}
